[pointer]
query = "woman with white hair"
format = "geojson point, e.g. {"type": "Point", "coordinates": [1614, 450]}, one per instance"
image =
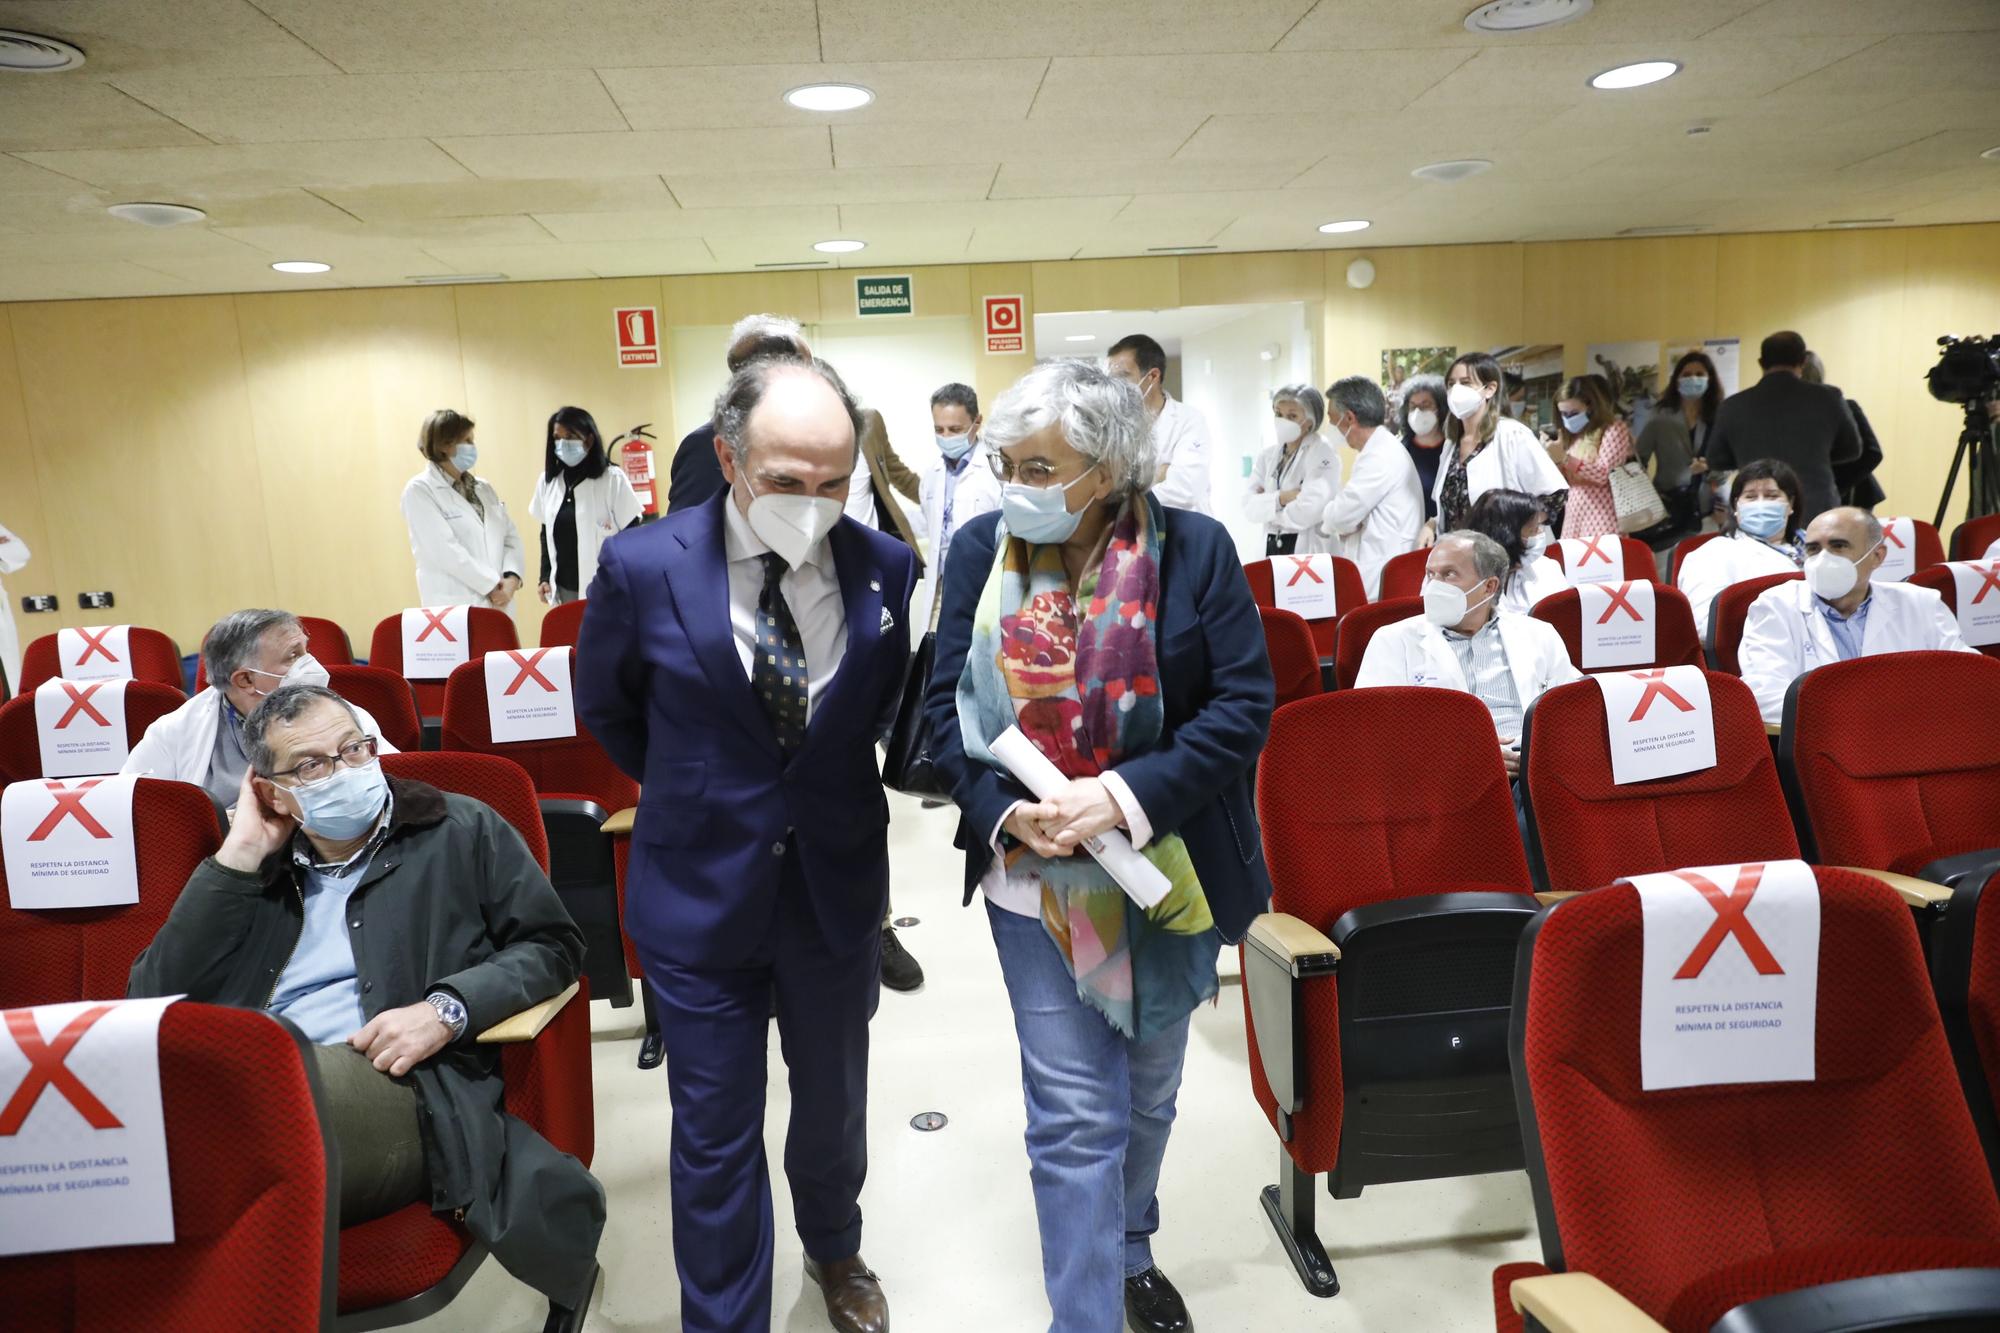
{"type": "Point", "coordinates": [1295, 479]}
{"type": "Point", "coordinates": [1119, 637]}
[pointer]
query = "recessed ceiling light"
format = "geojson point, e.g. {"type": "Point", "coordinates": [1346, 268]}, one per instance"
{"type": "Point", "coordinates": [301, 266]}
{"type": "Point", "coordinates": [1637, 76]}
{"type": "Point", "coordinates": [1992, 154]}
{"type": "Point", "coordinates": [1337, 228]}
{"type": "Point", "coordinates": [156, 215]}
{"type": "Point", "coordinates": [1670, 229]}
{"type": "Point", "coordinates": [32, 53]}
{"type": "Point", "coordinates": [830, 97]}
{"type": "Point", "coordinates": [1507, 16]}
{"type": "Point", "coordinates": [840, 247]}
{"type": "Point", "coordinates": [1444, 173]}
{"type": "Point", "coordinates": [1080, 338]}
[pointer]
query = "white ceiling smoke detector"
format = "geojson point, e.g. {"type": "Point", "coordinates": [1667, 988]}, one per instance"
{"type": "Point", "coordinates": [1446, 173]}
{"type": "Point", "coordinates": [156, 215]}
{"type": "Point", "coordinates": [1503, 17]}
{"type": "Point", "coordinates": [1361, 274]}
{"type": "Point", "coordinates": [32, 53]}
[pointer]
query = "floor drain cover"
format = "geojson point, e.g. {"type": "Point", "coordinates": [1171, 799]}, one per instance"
{"type": "Point", "coordinates": [927, 1121]}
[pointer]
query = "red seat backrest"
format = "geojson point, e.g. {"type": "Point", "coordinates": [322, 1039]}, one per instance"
{"type": "Point", "coordinates": [572, 766]}
{"type": "Point", "coordinates": [1971, 538]}
{"type": "Point", "coordinates": [86, 953]}
{"type": "Point", "coordinates": [1403, 575]}
{"type": "Point", "coordinates": [1425, 807]}
{"type": "Point", "coordinates": [386, 696]}
{"type": "Point", "coordinates": [1639, 561]}
{"type": "Point", "coordinates": [1728, 612]}
{"type": "Point", "coordinates": [500, 783]}
{"type": "Point", "coordinates": [1940, 580]}
{"type": "Point", "coordinates": [1684, 548]}
{"type": "Point", "coordinates": [154, 658]}
{"type": "Point", "coordinates": [490, 629]}
{"type": "Point", "coordinates": [1897, 758]}
{"type": "Point", "coordinates": [20, 743]}
{"type": "Point", "coordinates": [1651, 1191]}
{"type": "Point", "coordinates": [1358, 626]}
{"type": "Point", "coordinates": [325, 640]}
{"type": "Point", "coordinates": [1288, 641]}
{"type": "Point", "coordinates": [1675, 642]}
{"type": "Point", "coordinates": [562, 624]}
{"type": "Point", "coordinates": [1587, 830]}
{"type": "Point", "coordinates": [1349, 593]}
{"type": "Point", "coordinates": [248, 1149]}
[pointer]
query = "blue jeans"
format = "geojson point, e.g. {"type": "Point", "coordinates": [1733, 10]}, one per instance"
{"type": "Point", "coordinates": [1099, 1111]}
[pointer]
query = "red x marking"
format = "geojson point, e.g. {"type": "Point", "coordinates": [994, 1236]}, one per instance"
{"type": "Point", "coordinates": [1621, 594]}
{"type": "Point", "coordinates": [1655, 689]}
{"type": "Point", "coordinates": [1303, 569]}
{"type": "Point", "coordinates": [1730, 919]}
{"type": "Point", "coordinates": [437, 623]}
{"type": "Point", "coordinates": [70, 803]}
{"type": "Point", "coordinates": [79, 702]}
{"type": "Point", "coordinates": [1889, 535]}
{"type": "Point", "coordinates": [47, 1070]}
{"type": "Point", "coordinates": [1591, 548]}
{"type": "Point", "coordinates": [1989, 580]}
{"type": "Point", "coordinates": [530, 670]}
{"type": "Point", "coordinates": [94, 645]}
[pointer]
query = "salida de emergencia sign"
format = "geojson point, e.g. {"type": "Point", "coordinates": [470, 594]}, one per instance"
{"type": "Point", "coordinates": [884, 296]}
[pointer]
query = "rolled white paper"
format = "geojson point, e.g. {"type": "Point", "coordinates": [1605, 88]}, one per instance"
{"type": "Point", "coordinates": [1141, 879]}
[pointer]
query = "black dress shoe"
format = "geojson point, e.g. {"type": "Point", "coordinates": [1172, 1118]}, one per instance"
{"type": "Point", "coordinates": [1153, 1306]}
{"type": "Point", "coordinates": [652, 1051]}
{"type": "Point", "coordinates": [899, 971]}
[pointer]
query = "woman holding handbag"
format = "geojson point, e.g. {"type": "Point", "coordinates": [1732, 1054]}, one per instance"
{"type": "Point", "coordinates": [1594, 442]}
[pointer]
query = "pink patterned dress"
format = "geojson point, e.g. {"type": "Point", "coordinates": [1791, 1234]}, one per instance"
{"type": "Point", "coordinates": [1589, 512]}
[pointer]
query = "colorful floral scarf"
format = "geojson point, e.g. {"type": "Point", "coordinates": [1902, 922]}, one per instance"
{"type": "Point", "coordinates": [1086, 689]}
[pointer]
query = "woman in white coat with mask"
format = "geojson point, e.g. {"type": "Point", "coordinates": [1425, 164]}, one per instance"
{"type": "Point", "coordinates": [13, 555]}
{"type": "Point", "coordinates": [1485, 449]}
{"type": "Point", "coordinates": [1295, 479]}
{"type": "Point", "coordinates": [581, 501]}
{"type": "Point", "coordinates": [467, 549]}
{"type": "Point", "coordinates": [1761, 538]}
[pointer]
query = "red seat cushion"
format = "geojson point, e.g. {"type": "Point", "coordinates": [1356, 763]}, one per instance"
{"type": "Point", "coordinates": [396, 1257]}
{"type": "Point", "coordinates": [1288, 642]}
{"type": "Point", "coordinates": [1715, 1294]}
{"type": "Point", "coordinates": [1506, 1319]}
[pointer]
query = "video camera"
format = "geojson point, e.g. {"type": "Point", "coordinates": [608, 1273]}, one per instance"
{"type": "Point", "coordinates": [1968, 369]}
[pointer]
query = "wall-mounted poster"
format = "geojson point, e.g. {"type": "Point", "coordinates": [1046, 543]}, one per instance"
{"type": "Point", "coordinates": [1634, 371]}
{"type": "Point", "coordinates": [1399, 363]}
{"type": "Point", "coordinates": [1540, 366]}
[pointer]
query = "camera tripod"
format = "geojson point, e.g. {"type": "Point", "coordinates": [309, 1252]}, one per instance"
{"type": "Point", "coordinates": [1975, 453]}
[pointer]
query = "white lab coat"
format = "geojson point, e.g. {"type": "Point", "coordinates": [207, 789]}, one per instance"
{"type": "Point", "coordinates": [1314, 473]}
{"type": "Point", "coordinates": [460, 557]}
{"type": "Point", "coordinates": [1413, 652]}
{"type": "Point", "coordinates": [1785, 636]}
{"type": "Point", "coordinates": [1538, 577]}
{"type": "Point", "coordinates": [1722, 563]}
{"type": "Point", "coordinates": [1992, 553]}
{"type": "Point", "coordinates": [605, 506]}
{"type": "Point", "coordinates": [14, 554]}
{"type": "Point", "coordinates": [978, 492]}
{"type": "Point", "coordinates": [1380, 513]}
{"type": "Point", "coordinates": [1512, 460]}
{"type": "Point", "coordinates": [1181, 445]}
{"type": "Point", "coordinates": [181, 745]}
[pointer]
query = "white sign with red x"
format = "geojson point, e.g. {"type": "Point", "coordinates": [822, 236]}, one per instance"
{"type": "Point", "coordinates": [69, 844]}
{"type": "Point", "coordinates": [83, 1140]}
{"type": "Point", "coordinates": [1729, 992]}
{"type": "Point", "coordinates": [1978, 600]}
{"type": "Point", "coordinates": [436, 641]}
{"type": "Point", "coordinates": [1619, 626]}
{"type": "Point", "coordinates": [81, 727]}
{"type": "Point", "coordinates": [1303, 585]}
{"type": "Point", "coordinates": [1659, 722]}
{"type": "Point", "coordinates": [528, 695]}
{"type": "Point", "coordinates": [1899, 551]}
{"type": "Point", "coordinates": [1599, 560]}
{"type": "Point", "coordinates": [101, 652]}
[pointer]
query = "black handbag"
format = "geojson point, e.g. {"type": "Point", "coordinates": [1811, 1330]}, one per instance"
{"type": "Point", "coordinates": [908, 766]}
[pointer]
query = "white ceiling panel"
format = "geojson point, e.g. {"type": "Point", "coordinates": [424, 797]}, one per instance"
{"type": "Point", "coordinates": [49, 113]}
{"type": "Point", "coordinates": [1012, 244]}
{"type": "Point", "coordinates": [1355, 25]}
{"type": "Point", "coordinates": [647, 152]}
{"type": "Point", "coordinates": [1504, 77]}
{"type": "Point", "coordinates": [784, 189]}
{"type": "Point", "coordinates": [215, 38]}
{"type": "Point", "coordinates": [1954, 62]}
{"type": "Point", "coordinates": [666, 223]}
{"type": "Point", "coordinates": [929, 245]}
{"type": "Point", "coordinates": [1120, 90]}
{"type": "Point", "coordinates": [906, 92]}
{"type": "Point", "coordinates": [1056, 179]}
{"type": "Point", "coordinates": [475, 198]}
{"type": "Point", "coordinates": [1017, 214]}
{"type": "Point", "coordinates": [521, 263]}
{"type": "Point", "coordinates": [874, 30]}
{"type": "Point", "coordinates": [1037, 140]}
{"type": "Point", "coordinates": [1777, 17]}
{"type": "Point", "coordinates": [68, 281]}
{"type": "Point", "coordinates": [255, 166]}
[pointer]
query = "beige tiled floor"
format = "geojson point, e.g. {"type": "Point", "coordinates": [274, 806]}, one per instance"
{"type": "Point", "coordinates": [950, 1222]}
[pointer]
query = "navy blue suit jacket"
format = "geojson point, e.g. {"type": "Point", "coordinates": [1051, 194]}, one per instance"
{"type": "Point", "coordinates": [1215, 678]}
{"type": "Point", "coordinates": [660, 685]}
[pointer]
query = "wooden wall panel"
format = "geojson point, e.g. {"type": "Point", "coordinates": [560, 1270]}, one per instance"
{"type": "Point", "coordinates": [21, 504]}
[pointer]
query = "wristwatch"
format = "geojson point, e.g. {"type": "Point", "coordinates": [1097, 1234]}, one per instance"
{"type": "Point", "coordinates": [450, 1011]}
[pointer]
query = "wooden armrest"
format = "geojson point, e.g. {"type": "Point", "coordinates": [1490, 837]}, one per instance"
{"type": "Point", "coordinates": [1773, 729]}
{"type": "Point", "coordinates": [1285, 936]}
{"type": "Point", "coordinates": [622, 821]}
{"type": "Point", "coordinates": [528, 1024]}
{"type": "Point", "coordinates": [1579, 1303]}
{"type": "Point", "coordinates": [1916, 892]}
{"type": "Point", "coordinates": [1551, 899]}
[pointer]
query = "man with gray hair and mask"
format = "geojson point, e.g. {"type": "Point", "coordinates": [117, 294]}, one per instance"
{"type": "Point", "coordinates": [248, 655]}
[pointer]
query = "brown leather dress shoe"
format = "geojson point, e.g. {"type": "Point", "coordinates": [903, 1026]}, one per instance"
{"type": "Point", "coordinates": [854, 1299]}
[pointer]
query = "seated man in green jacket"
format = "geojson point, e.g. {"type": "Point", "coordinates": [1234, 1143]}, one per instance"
{"type": "Point", "coordinates": [392, 923]}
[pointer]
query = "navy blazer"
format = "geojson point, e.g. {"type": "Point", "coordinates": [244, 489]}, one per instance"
{"type": "Point", "coordinates": [660, 685]}
{"type": "Point", "coordinates": [1215, 678]}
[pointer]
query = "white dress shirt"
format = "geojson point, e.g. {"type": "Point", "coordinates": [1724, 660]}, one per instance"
{"type": "Point", "coordinates": [1180, 445]}
{"type": "Point", "coordinates": [812, 592]}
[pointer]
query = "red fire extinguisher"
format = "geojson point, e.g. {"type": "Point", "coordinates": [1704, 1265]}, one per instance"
{"type": "Point", "coordinates": [635, 455]}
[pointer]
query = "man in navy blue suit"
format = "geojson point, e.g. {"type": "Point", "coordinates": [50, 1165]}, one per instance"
{"type": "Point", "coordinates": [741, 659]}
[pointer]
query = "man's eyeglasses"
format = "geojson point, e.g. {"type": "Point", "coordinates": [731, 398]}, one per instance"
{"type": "Point", "coordinates": [317, 768]}
{"type": "Point", "coordinates": [1034, 472]}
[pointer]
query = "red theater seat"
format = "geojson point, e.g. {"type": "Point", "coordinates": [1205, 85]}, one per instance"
{"type": "Point", "coordinates": [562, 624]}
{"type": "Point", "coordinates": [1675, 642]}
{"type": "Point", "coordinates": [1971, 539]}
{"type": "Point", "coordinates": [386, 696]}
{"type": "Point", "coordinates": [1639, 561]}
{"type": "Point", "coordinates": [325, 640]}
{"type": "Point", "coordinates": [1376, 988]}
{"type": "Point", "coordinates": [490, 629]}
{"type": "Point", "coordinates": [154, 658]}
{"type": "Point", "coordinates": [1727, 614]}
{"type": "Point", "coordinates": [1940, 580]}
{"type": "Point", "coordinates": [1294, 658]}
{"type": "Point", "coordinates": [1403, 575]}
{"type": "Point", "coordinates": [1684, 548]}
{"type": "Point", "coordinates": [1349, 592]}
{"type": "Point", "coordinates": [20, 741]}
{"type": "Point", "coordinates": [1358, 626]}
{"type": "Point", "coordinates": [1691, 1203]}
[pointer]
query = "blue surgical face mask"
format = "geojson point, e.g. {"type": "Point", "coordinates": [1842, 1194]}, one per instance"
{"type": "Point", "coordinates": [464, 456]}
{"type": "Point", "coordinates": [1039, 515]}
{"type": "Point", "coordinates": [1576, 423]}
{"type": "Point", "coordinates": [345, 805]}
{"type": "Point", "coordinates": [571, 452]}
{"type": "Point", "coordinates": [1692, 386]}
{"type": "Point", "coordinates": [1762, 518]}
{"type": "Point", "coordinates": [955, 447]}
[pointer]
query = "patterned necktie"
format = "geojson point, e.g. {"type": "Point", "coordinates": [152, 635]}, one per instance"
{"type": "Point", "coordinates": [778, 663]}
